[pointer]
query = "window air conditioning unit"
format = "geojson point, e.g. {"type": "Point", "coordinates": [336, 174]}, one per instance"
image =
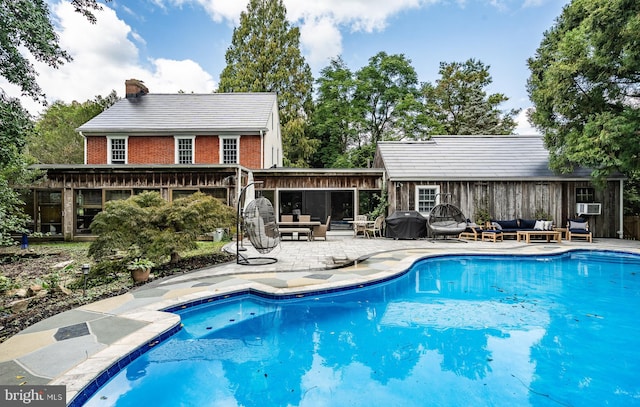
{"type": "Point", "coordinates": [588, 208]}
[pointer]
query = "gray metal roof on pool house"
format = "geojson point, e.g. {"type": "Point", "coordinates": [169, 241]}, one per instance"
{"type": "Point", "coordinates": [187, 112]}
{"type": "Point", "coordinates": [470, 158]}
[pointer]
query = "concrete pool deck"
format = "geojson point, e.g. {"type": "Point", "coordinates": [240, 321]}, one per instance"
{"type": "Point", "coordinates": [75, 347]}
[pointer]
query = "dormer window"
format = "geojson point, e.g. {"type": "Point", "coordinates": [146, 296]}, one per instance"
{"type": "Point", "coordinates": [185, 150]}
{"type": "Point", "coordinates": [116, 150]}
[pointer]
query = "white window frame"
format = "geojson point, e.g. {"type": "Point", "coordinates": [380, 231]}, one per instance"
{"type": "Point", "coordinates": [436, 192]}
{"type": "Point", "coordinates": [177, 151]}
{"type": "Point", "coordinates": [110, 140]}
{"type": "Point", "coordinates": [237, 140]}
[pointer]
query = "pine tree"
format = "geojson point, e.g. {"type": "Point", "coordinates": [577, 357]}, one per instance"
{"type": "Point", "coordinates": [265, 56]}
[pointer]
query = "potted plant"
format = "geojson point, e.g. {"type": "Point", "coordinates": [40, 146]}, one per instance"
{"type": "Point", "coordinates": [140, 269]}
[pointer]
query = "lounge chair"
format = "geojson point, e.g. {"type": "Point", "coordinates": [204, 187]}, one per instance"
{"type": "Point", "coordinates": [321, 231]}
{"type": "Point", "coordinates": [578, 229]}
{"type": "Point", "coordinates": [472, 232]}
{"type": "Point", "coordinates": [376, 228]}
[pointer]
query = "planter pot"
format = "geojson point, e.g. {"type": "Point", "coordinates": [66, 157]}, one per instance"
{"type": "Point", "coordinates": [140, 275]}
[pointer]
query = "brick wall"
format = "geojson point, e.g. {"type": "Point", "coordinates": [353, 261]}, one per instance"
{"type": "Point", "coordinates": [96, 150]}
{"type": "Point", "coordinates": [152, 150]}
{"type": "Point", "coordinates": [250, 152]}
{"type": "Point", "coordinates": [161, 150]}
{"type": "Point", "coordinates": [207, 150]}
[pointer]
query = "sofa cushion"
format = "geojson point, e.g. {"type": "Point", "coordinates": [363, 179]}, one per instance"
{"type": "Point", "coordinates": [527, 223]}
{"type": "Point", "coordinates": [507, 224]}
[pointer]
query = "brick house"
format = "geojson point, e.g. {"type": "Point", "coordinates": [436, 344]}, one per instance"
{"type": "Point", "coordinates": [183, 128]}
{"type": "Point", "coordinates": [178, 144]}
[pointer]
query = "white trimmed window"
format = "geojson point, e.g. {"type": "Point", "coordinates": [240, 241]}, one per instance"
{"type": "Point", "coordinates": [185, 151]}
{"type": "Point", "coordinates": [117, 149]}
{"type": "Point", "coordinates": [426, 198]}
{"type": "Point", "coordinates": [229, 150]}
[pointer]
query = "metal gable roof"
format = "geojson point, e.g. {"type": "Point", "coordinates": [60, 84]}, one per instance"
{"type": "Point", "coordinates": [472, 158]}
{"type": "Point", "coordinates": [186, 112]}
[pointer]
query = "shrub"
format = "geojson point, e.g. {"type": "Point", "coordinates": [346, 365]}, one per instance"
{"type": "Point", "coordinates": [147, 226]}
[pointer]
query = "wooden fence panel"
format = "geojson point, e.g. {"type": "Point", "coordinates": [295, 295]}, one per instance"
{"type": "Point", "coordinates": [632, 227]}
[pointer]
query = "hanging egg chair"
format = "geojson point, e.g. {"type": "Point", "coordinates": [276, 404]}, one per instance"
{"type": "Point", "coordinates": [259, 223]}
{"type": "Point", "coordinates": [446, 220]}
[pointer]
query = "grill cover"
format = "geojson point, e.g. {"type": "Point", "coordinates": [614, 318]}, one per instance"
{"type": "Point", "coordinates": [406, 225]}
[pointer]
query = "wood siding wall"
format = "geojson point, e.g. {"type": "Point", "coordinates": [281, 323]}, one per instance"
{"type": "Point", "coordinates": [518, 199]}
{"type": "Point", "coordinates": [319, 181]}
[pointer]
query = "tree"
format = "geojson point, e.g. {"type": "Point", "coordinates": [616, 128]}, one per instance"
{"type": "Point", "coordinates": [334, 118]}
{"type": "Point", "coordinates": [56, 140]}
{"type": "Point", "coordinates": [381, 101]}
{"type": "Point", "coordinates": [460, 105]}
{"type": "Point", "coordinates": [388, 99]}
{"type": "Point", "coordinates": [585, 87]}
{"type": "Point", "coordinates": [15, 125]}
{"type": "Point", "coordinates": [264, 56]}
{"type": "Point", "coordinates": [24, 25]}
{"type": "Point", "coordinates": [147, 226]}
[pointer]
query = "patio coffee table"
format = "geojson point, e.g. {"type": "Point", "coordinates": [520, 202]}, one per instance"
{"type": "Point", "coordinates": [549, 234]}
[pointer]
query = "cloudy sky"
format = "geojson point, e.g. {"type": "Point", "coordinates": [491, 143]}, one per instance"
{"type": "Point", "coordinates": [177, 45]}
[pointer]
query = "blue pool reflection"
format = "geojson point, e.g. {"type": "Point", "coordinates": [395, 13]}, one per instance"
{"type": "Point", "coordinates": [453, 331]}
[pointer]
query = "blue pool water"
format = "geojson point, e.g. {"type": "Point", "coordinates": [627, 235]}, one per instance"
{"type": "Point", "coordinates": [561, 330]}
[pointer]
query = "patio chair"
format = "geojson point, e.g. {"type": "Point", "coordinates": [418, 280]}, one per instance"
{"type": "Point", "coordinates": [321, 231]}
{"type": "Point", "coordinates": [304, 218]}
{"type": "Point", "coordinates": [286, 218]}
{"type": "Point", "coordinates": [578, 229]}
{"type": "Point", "coordinates": [376, 228]}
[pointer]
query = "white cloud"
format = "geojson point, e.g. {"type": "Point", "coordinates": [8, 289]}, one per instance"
{"type": "Point", "coordinates": [524, 127]}
{"type": "Point", "coordinates": [219, 10]}
{"type": "Point", "coordinates": [320, 22]}
{"type": "Point", "coordinates": [322, 39]}
{"type": "Point", "coordinates": [171, 76]}
{"type": "Point", "coordinates": [104, 56]}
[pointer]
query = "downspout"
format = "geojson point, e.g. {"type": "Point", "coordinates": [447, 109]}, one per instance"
{"type": "Point", "coordinates": [621, 220]}
{"type": "Point", "coordinates": [262, 155]}
{"type": "Point", "coordinates": [84, 140]}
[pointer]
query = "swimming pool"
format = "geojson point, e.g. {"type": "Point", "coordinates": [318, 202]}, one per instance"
{"type": "Point", "coordinates": [453, 330]}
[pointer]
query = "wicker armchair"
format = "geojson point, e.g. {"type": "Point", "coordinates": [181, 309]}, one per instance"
{"type": "Point", "coordinates": [321, 231]}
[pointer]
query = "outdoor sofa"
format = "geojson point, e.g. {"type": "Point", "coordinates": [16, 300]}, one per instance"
{"type": "Point", "coordinates": [511, 227]}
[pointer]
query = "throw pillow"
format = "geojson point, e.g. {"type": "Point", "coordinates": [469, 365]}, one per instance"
{"type": "Point", "coordinates": [577, 225]}
{"type": "Point", "coordinates": [548, 225]}
{"type": "Point", "coordinates": [539, 225]}
{"type": "Point", "coordinates": [496, 225]}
